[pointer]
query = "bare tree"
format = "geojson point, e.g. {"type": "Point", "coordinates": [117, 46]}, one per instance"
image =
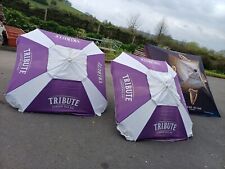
{"type": "Point", "coordinates": [161, 29]}
{"type": "Point", "coordinates": [133, 24]}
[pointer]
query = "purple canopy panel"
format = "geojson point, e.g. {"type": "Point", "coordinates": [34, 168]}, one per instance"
{"type": "Point", "coordinates": [152, 64]}
{"type": "Point", "coordinates": [130, 93]}
{"type": "Point", "coordinates": [31, 61]}
{"type": "Point", "coordinates": [96, 72]}
{"type": "Point", "coordinates": [66, 41]}
{"type": "Point", "coordinates": [57, 73]}
{"type": "Point", "coordinates": [164, 124]}
{"type": "Point", "coordinates": [62, 96]}
{"type": "Point", "coordinates": [157, 108]}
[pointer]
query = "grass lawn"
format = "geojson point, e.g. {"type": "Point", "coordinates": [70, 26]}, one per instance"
{"type": "Point", "coordinates": [60, 5]}
{"type": "Point", "coordinates": [214, 74]}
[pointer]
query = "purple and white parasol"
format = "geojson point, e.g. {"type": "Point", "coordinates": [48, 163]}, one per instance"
{"type": "Point", "coordinates": [148, 100]}
{"type": "Point", "coordinates": [57, 73]}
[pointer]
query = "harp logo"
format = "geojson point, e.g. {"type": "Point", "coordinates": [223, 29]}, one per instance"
{"type": "Point", "coordinates": [127, 88]}
{"type": "Point", "coordinates": [165, 127]}
{"type": "Point", "coordinates": [63, 102]}
{"type": "Point", "coordinates": [25, 61]}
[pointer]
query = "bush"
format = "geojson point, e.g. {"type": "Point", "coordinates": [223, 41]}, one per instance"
{"type": "Point", "coordinates": [81, 33]}
{"type": "Point", "coordinates": [43, 2]}
{"type": "Point", "coordinates": [129, 47]}
{"type": "Point", "coordinates": [15, 18]}
{"type": "Point", "coordinates": [95, 35]}
{"type": "Point", "coordinates": [53, 2]}
{"type": "Point", "coordinates": [110, 43]}
{"type": "Point", "coordinates": [110, 55]}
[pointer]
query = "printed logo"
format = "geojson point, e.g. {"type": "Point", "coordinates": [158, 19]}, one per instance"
{"type": "Point", "coordinates": [100, 72]}
{"type": "Point", "coordinates": [66, 38]}
{"type": "Point", "coordinates": [67, 102]}
{"type": "Point", "coordinates": [127, 88]}
{"type": "Point", "coordinates": [165, 127]}
{"type": "Point", "coordinates": [194, 108]}
{"type": "Point", "coordinates": [25, 61]}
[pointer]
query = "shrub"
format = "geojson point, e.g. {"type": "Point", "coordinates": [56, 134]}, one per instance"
{"type": "Point", "coordinates": [129, 47]}
{"type": "Point", "coordinates": [15, 18]}
{"type": "Point", "coordinates": [81, 33]}
{"type": "Point", "coordinates": [43, 2]}
{"type": "Point", "coordinates": [95, 35]}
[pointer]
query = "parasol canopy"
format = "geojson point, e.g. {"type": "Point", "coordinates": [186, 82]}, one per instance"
{"type": "Point", "coordinates": [148, 99]}
{"type": "Point", "coordinates": [57, 73]}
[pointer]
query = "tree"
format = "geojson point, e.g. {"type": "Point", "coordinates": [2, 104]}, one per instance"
{"type": "Point", "coordinates": [161, 30]}
{"type": "Point", "coordinates": [53, 3]}
{"type": "Point", "coordinates": [133, 25]}
{"type": "Point", "coordinates": [192, 47]}
{"type": "Point", "coordinates": [68, 3]}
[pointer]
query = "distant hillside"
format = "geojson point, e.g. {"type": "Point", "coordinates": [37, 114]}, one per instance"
{"type": "Point", "coordinates": [64, 5]}
{"type": "Point", "coordinates": [222, 52]}
{"type": "Point", "coordinates": [62, 18]}
{"type": "Point", "coordinates": [70, 18]}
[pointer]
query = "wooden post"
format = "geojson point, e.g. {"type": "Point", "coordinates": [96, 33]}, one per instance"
{"type": "Point", "coordinates": [99, 26]}
{"type": "Point", "coordinates": [46, 13]}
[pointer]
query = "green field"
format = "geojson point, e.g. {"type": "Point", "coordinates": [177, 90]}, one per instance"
{"type": "Point", "coordinates": [60, 5]}
{"type": "Point", "coordinates": [214, 74]}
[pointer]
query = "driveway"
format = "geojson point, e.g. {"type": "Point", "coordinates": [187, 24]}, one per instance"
{"type": "Point", "coordinates": [45, 141]}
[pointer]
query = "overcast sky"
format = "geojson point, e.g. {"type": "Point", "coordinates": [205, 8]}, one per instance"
{"type": "Point", "coordinates": [202, 21]}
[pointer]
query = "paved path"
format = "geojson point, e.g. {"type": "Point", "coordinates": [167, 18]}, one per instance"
{"type": "Point", "coordinates": [44, 141]}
